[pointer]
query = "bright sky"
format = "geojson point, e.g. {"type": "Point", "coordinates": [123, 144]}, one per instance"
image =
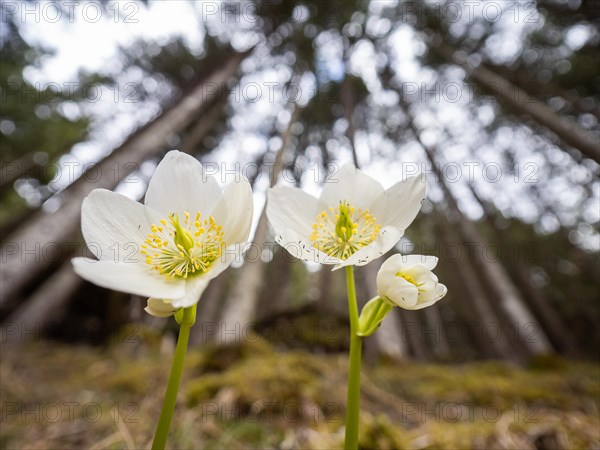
{"type": "Point", "coordinates": [89, 39]}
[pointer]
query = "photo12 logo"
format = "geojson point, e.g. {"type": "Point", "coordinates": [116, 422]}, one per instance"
{"type": "Point", "coordinates": [70, 11]}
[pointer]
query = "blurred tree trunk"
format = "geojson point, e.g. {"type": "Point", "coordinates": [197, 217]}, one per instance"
{"type": "Point", "coordinates": [330, 298]}
{"type": "Point", "coordinates": [529, 82]}
{"type": "Point", "coordinates": [240, 307]}
{"type": "Point", "coordinates": [16, 220]}
{"type": "Point", "coordinates": [471, 296]}
{"type": "Point", "coordinates": [413, 334]}
{"type": "Point", "coordinates": [209, 307]}
{"type": "Point", "coordinates": [553, 325]}
{"type": "Point", "coordinates": [276, 298]}
{"type": "Point", "coordinates": [492, 272]}
{"type": "Point", "coordinates": [61, 297]}
{"type": "Point", "coordinates": [47, 305]}
{"type": "Point", "coordinates": [22, 258]}
{"type": "Point", "coordinates": [435, 329]}
{"type": "Point", "coordinates": [13, 170]}
{"type": "Point", "coordinates": [523, 103]}
{"type": "Point", "coordinates": [348, 100]}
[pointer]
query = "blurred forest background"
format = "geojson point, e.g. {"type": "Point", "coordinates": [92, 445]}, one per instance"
{"type": "Point", "coordinates": [497, 102]}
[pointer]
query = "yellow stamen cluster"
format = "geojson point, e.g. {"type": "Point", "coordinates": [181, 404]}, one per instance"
{"type": "Point", "coordinates": [182, 250]}
{"type": "Point", "coordinates": [411, 280]}
{"type": "Point", "coordinates": [408, 278]}
{"type": "Point", "coordinates": [343, 231]}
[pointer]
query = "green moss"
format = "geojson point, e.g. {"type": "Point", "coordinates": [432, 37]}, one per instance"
{"type": "Point", "coordinates": [250, 395]}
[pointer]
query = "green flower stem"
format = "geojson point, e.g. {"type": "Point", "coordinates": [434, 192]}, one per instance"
{"type": "Point", "coordinates": [353, 403]}
{"type": "Point", "coordinates": [168, 407]}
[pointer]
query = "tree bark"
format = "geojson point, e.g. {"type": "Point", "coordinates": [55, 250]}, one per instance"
{"type": "Point", "coordinates": [524, 103]}
{"type": "Point", "coordinates": [240, 307]}
{"type": "Point", "coordinates": [558, 333]}
{"type": "Point", "coordinates": [435, 328]}
{"type": "Point", "coordinates": [413, 334]}
{"type": "Point", "coordinates": [47, 304]}
{"type": "Point", "coordinates": [21, 265]}
{"type": "Point", "coordinates": [493, 272]}
{"type": "Point", "coordinates": [476, 303]}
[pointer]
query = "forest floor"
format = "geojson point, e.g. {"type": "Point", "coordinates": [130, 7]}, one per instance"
{"type": "Point", "coordinates": [253, 395]}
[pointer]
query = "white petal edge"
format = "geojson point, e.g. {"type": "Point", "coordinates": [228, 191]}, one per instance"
{"type": "Point", "coordinates": [353, 185]}
{"type": "Point", "coordinates": [441, 292]}
{"type": "Point", "coordinates": [428, 262]}
{"type": "Point", "coordinates": [301, 248]}
{"type": "Point", "coordinates": [114, 226]}
{"type": "Point", "coordinates": [402, 293]}
{"type": "Point", "coordinates": [386, 239]}
{"type": "Point", "coordinates": [290, 208]}
{"type": "Point", "coordinates": [387, 272]}
{"type": "Point", "coordinates": [234, 212]}
{"type": "Point", "coordinates": [180, 184]}
{"type": "Point", "coordinates": [193, 291]}
{"type": "Point", "coordinates": [127, 277]}
{"type": "Point", "coordinates": [159, 307]}
{"type": "Point", "coordinates": [399, 205]}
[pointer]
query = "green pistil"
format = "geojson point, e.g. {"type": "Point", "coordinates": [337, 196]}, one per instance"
{"type": "Point", "coordinates": [183, 238]}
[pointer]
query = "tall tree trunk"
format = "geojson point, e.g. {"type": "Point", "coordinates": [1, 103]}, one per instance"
{"type": "Point", "coordinates": [348, 101]}
{"type": "Point", "coordinates": [61, 297]}
{"type": "Point", "coordinates": [276, 299]}
{"type": "Point", "coordinates": [475, 301]}
{"type": "Point", "coordinates": [435, 329]}
{"type": "Point", "coordinates": [412, 329]}
{"type": "Point", "coordinates": [209, 308]}
{"type": "Point", "coordinates": [241, 304]}
{"type": "Point", "coordinates": [493, 272]}
{"type": "Point", "coordinates": [554, 326]}
{"type": "Point", "coordinates": [48, 304]}
{"type": "Point", "coordinates": [21, 260]}
{"type": "Point", "coordinates": [13, 170]}
{"type": "Point", "coordinates": [523, 103]}
{"type": "Point", "coordinates": [528, 81]}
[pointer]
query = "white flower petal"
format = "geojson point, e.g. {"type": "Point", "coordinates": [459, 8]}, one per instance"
{"type": "Point", "coordinates": [353, 185]}
{"type": "Point", "coordinates": [114, 226]}
{"type": "Point", "coordinates": [230, 254]}
{"type": "Point", "coordinates": [159, 307]}
{"type": "Point", "coordinates": [437, 295]}
{"type": "Point", "coordinates": [291, 208]}
{"type": "Point", "coordinates": [402, 293]}
{"type": "Point", "coordinates": [193, 290]}
{"type": "Point", "coordinates": [301, 248]}
{"type": "Point", "coordinates": [428, 262]}
{"type": "Point", "coordinates": [422, 305]}
{"type": "Point", "coordinates": [387, 273]}
{"type": "Point", "coordinates": [386, 239]}
{"type": "Point", "coordinates": [417, 269]}
{"type": "Point", "coordinates": [234, 212]}
{"type": "Point", "coordinates": [400, 204]}
{"type": "Point", "coordinates": [180, 184]}
{"type": "Point", "coordinates": [128, 277]}
{"type": "Point", "coordinates": [441, 291]}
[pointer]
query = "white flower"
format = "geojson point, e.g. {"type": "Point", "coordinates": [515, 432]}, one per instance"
{"type": "Point", "coordinates": [353, 221]}
{"type": "Point", "coordinates": [408, 281]}
{"type": "Point", "coordinates": [186, 234]}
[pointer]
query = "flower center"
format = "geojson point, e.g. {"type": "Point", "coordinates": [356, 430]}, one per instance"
{"type": "Point", "coordinates": [411, 280]}
{"type": "Point", "coordinates": [343, 231]}
{"type": "Point", "coordinates": [408, 278]}
{"type": "Point", "coordinates": [181, 250]}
